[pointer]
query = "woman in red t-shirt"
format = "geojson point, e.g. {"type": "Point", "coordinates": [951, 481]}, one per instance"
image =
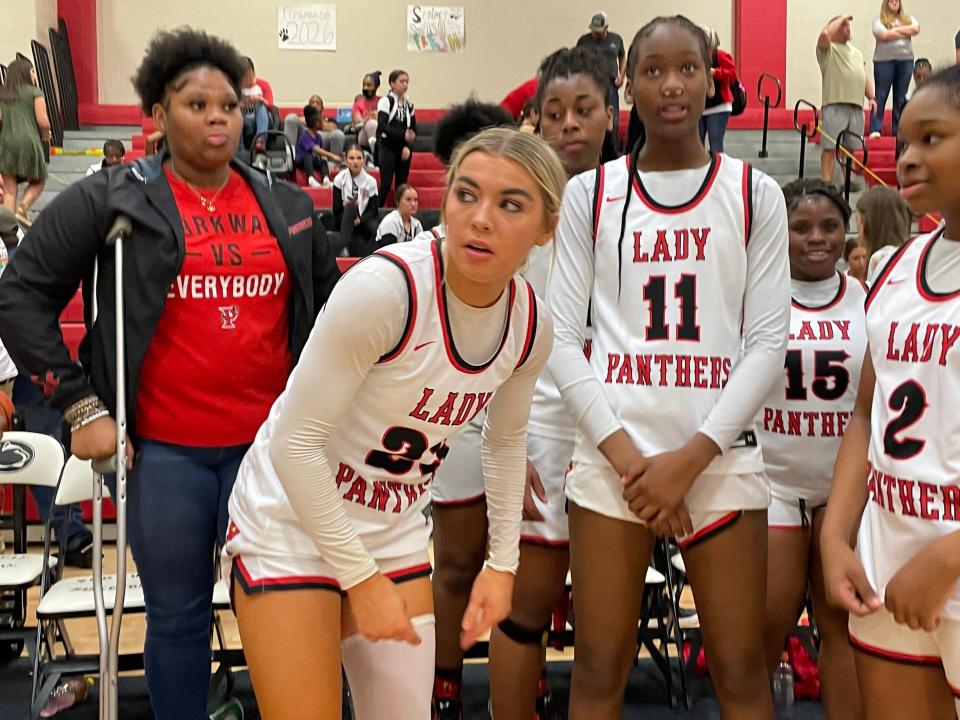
{"type": "Point", "coordinates": [365, 111]}
{"type": "Point", "coordinates": [223, 276]}
{"type": "Point", "coordinates": [713, 124]}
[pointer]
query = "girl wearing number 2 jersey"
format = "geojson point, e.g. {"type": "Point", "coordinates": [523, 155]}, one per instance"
{"type": "Point", "coordinates": [801, 424]}
{"type": "Point", "coordinates": [682, 256]}
{"type": "Point", "coordinates": [898, 471]}
{"type": "Point", "coordinates": [328, 539]}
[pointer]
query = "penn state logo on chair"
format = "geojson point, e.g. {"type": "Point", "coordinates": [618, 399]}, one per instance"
{"type": "Point", "coordinates": [14, 455]}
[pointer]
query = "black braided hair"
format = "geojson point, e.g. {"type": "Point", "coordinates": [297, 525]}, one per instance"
{"type": "Point", "coordinates": [633, 54]}
{"type": "Point", "coordinates": [794, 192]}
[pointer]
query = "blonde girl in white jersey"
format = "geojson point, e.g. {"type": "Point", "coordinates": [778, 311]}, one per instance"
{"type": "Point", "coordinates": [898, 472]}
{"type": "Point", "coordinates": [801, 424]}
{"type": "Point", "coordinates": [327, 543]}
{"type": "Point", "coordinates": [683, 260]}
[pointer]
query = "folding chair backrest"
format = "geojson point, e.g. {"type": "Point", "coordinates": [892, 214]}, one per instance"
{"type": "Point", "coordinates": [28, 458]}
{"type": "Point", "coordinates": [76, 484]}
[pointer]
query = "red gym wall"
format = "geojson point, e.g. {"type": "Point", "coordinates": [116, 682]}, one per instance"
{"type": "Point", "coordinates": [760, 45]}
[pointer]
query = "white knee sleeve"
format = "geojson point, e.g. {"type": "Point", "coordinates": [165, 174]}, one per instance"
{"type": "Point", "coordinates": [391, 679]}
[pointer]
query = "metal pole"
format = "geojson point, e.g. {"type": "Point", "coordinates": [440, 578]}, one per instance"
{"type": "Point", "coordinates": [803, 149]}
{"type": "Point", "coordinates": [848, 173]}
{"type": "Point", "coordinates": [766, 119]}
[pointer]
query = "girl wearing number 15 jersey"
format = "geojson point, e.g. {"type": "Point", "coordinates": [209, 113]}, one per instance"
{"type": "Point", "coordinates": [682, 256]}
{"type": "Point", "coordinates": [328, 539]}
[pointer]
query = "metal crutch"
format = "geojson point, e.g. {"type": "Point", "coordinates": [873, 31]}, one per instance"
{"type": "Point", "coordinates": [110, 638]}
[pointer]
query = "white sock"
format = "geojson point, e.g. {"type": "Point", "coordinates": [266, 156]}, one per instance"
{"type": "Point", "coordinates": [391, 679]}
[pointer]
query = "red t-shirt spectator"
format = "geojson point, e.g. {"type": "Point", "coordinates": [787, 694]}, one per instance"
{"type": "Point", "coordinates": [267, 91]}
{"type": "Point", "coordinates": [220, 355]}
{"type": "Point", "coordinates": [516, 98]}
{"type": "Point", "coordinates": [365, 106]}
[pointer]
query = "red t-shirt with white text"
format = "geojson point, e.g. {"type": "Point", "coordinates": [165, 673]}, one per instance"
{"type": "Point", "coordinates": [220, 354]}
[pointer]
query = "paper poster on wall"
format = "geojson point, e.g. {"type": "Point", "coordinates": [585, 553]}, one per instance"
{"type": "Point", "coordinates": [307, 27]}
{"type": "Point", "coordinates": [432, 28]}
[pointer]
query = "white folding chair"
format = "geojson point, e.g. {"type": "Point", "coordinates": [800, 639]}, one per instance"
{"type": "Point", "coordinates": [25, 459]}
{"type": "Point", "coordinates": [74, 598]}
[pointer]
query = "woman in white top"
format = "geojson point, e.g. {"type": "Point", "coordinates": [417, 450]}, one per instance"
{"type": "Point", "coordinates": [892, 61]}
{"type": "Point", "coordinates": [327, 545]}
{"type": "Point", "coordinates": [401, 225]}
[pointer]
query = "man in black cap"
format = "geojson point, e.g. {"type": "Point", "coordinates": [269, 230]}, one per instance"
{"type": "Point", "coordinates": [610, 46]}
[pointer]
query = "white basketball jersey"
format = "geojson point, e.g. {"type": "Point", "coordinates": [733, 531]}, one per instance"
{"type": "Point", "coordinates": [384, 452]}
{"type": "Point", "coordinates": [667, 306]}
{"type": "Point", "coordinates": [914, 472]}
{"type": "Point", "coordinates": [804, 417]}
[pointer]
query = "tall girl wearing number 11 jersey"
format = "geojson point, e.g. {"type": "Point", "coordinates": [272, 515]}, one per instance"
{"type": "Point", "coordinates": [683, 259]}
{"type": "Point", "coordinates": [898, 471]}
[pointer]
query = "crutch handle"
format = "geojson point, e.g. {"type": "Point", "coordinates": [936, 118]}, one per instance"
{"type": "Point", "coordinates": [106, 466]}
{"type": "Point", "coordinates": [121, 228]}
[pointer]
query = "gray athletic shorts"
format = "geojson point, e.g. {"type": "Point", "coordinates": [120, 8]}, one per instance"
{"type": "Point", "coordinates": [836, 118]}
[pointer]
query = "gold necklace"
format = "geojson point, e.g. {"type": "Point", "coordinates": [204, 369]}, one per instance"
{"type": "Point", "coordinates": [208, 204]}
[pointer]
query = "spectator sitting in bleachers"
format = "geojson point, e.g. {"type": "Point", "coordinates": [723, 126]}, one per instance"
{"type": "Point", "coordinates": [364, 111]}
{"type": "Point", "coordinates": [855, 256]}
{"type": "Point", "coordinates": [401, 225]}
{"type": "Point", "coordinates": [529, 117]}
{"type": "Point", "coordinates": [253, 105]}
{"type": "Point", "coordinates": [113, 152]}
{"type": "Point", "coordinates": [310, 155]}
{"type": "Point", "coordinates": [355, 207]}
{"type": "Point", "coordinates": [921, 71]}
{"type": "Point", "coordinates": [333, 138]}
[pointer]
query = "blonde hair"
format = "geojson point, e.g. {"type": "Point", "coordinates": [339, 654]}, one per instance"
{"type": "Point", "coordinates": [527, 150]}
{"type": "Point", "coordinates": [887, 18]}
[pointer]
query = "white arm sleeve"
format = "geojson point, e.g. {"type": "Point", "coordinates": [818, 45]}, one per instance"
{"type": "Point", "coordinates": [344, 344]}
{"type": "Point", "coordinates": [568, 292]}
{"type": "Point", "coordinates": [503, 451]}
{"type": "Point", "coordinates": [766, 319]}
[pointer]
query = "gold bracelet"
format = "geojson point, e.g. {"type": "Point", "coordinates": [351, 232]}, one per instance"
{"type": "Point", "coordinates": [82, 407]}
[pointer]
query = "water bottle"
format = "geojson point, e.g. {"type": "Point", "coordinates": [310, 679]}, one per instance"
{"type": "Point", "coordinates": [783, 689]}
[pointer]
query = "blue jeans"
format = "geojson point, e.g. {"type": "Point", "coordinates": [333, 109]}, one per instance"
{"type": "Point", "coordinates": [714, 127]}
{"type": "Point", "coordinates": [255, 123]}
{"type": "Point", "coordinates": [176, 520]}
{"type": "Point", "coordinates": [887, 74]}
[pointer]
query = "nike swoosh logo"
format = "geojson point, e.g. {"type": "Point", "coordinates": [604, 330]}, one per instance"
{"type": "Point", "coordinates": [614, 199]}
{"type": "Point", "coordinates": [896, 282]}
{"type": "Point", "coordinates": [423, 345]}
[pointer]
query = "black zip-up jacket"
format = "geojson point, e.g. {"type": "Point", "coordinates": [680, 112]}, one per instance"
{"type": "Point", "coordinates": [67, 238]}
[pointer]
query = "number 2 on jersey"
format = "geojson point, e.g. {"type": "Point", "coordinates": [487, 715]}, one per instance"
{"type": "Point", "coordinates": [685, 290]}
{"type": "Point", "coordinates": [910, 399]}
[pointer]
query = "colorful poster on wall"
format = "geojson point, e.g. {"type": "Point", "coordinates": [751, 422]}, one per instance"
{"type": "Point", "coordinates": [307, 27]}
{"type": "Point", "coordinates": [432, 28]}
